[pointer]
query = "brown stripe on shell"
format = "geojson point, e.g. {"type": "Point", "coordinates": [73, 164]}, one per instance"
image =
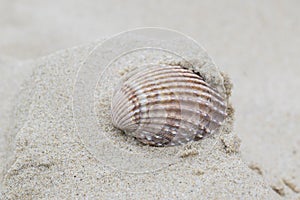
{"type": "Point", "coordinates": [127, 90]}
{"type": "Point", "coordinates": [178, 78]}
{"type": "Point", "coordinates": [172, 111]}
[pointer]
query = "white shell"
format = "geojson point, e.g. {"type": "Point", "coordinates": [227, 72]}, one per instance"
{"type": "Point", "coordinates": [166, 106]}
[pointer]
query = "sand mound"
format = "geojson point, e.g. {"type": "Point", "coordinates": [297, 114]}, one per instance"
{"type": "Point", "coordinates": [52, 160]}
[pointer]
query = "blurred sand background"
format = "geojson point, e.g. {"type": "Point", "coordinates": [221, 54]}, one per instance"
{"type": "Point", "coordinates": [256, 42]}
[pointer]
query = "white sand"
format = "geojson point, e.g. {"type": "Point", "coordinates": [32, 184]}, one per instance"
{"type": "Point", "coordinates": [255, 42]}
{"type": "Point", "coordinates": [11, 80]}
{"type": "Point", "coordinates": [50, 160]}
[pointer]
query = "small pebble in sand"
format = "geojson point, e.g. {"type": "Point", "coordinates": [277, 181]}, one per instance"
{"type": "Point", "coordinates": [188, 152]}
{"type": "Point", "coordinates": [256, 168]}
{"type": "Point", "coordinates": [279, 189]}
{"type": "Point", "coordinates": [289, 183]}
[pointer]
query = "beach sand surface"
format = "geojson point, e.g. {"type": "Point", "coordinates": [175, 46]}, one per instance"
{"type": "Point", "coordinates": [50, 160]}
{"type": "Point", "coordinates": [255, 42]}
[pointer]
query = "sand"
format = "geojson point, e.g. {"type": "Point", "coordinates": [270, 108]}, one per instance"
{"type": "Point", "coordinates": [9, 90]}
{"type": "Point", "coordinates": [51, 159]}
{"type": "Point", "coordinates": [255, 42]}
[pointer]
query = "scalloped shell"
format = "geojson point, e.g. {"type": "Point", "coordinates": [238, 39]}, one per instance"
{"type": "Point", "coordinates": [166, 106]}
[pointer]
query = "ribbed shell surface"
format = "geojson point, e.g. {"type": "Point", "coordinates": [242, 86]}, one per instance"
{"type": "Point", "coordinates": [166, 105]}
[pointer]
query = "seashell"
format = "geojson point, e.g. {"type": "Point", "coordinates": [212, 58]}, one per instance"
{"type": "Point", "coordinates": [165, 105]}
